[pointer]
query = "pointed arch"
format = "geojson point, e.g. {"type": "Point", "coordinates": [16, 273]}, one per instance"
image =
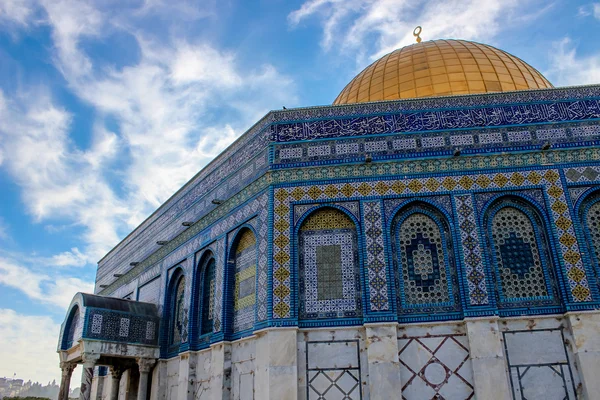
{"type": "Point", "coordinates": [328, 265]}
{"type": "Point", "coordinates": [519, 253]}
{"type": "Point", "coordinates": [204, 295]}
{"type": "Point", "coordinates": [73, 328]}
{"type": "Point", "coordinates": [424, 261]}
{"type": "Point", "coordinates": [243, 259]}
{"type": "Point", "coordinates": [589, 217]}
{"type": "Point", "coordinates": [176, 311]}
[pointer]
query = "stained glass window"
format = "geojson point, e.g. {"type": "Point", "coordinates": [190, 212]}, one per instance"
{"type": "Point", "coordinates": [178, 313]}
{"type": "Point", "coordinates": [520, 254]}
{"type": "Point", "coordinates": [244, 297]}
{"type": "Point", "coordinates": [208, 296]}
{"type": "Point", "coordinates": [328, 266]}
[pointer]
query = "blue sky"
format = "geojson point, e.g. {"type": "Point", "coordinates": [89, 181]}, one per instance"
{"type": "Point", "coordinates": [108, 107]}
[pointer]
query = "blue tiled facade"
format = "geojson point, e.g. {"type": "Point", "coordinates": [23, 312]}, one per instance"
{"type": "Point", "coordinates": [422, 188]}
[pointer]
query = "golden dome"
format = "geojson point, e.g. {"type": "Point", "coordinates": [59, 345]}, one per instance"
{"type": "Point", "coordinates": [441, 68]}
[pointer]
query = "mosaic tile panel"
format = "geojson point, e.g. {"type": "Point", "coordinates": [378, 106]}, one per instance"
{"type": "Point", "coordinates": [74, 332]}
{"type": "Point", "coordinates": [114, 326]}
{"type": "Point", "coordinates": [423, 262]}
{"type": "Point", "coordinates": [582, 174]}
{"type": "Point", "coordinates": [329, 276]}
{"type": "Point", "coordinates": [518, 255]}
{"type": "Point", "coordinates": [376, 260]}
{"type": "Point", "coordinates": [471, 250]}
{"type": "Point", "coordinates": [436, 367]}
{"type": "Point", "coordinates": [219, 249]}
{"type": "Point", "coordinates": [178, 316]}
{"type": "Point", "coordinates": [443, 202]}
{"type": "Point", "coordinates": [244, 297]}
{"type": "Point", "coordinates": [550, 179]}
{"type": "Point", "coordinates": [576, 193]}
{"type": "Point", "coordinates": [207, 300]}
{"type": "Point", "coordinates": [592, 220]}
{"type": "Point", "coordinates": [350, 206]}
{"type": "Point", "coordinates": [436, 165]}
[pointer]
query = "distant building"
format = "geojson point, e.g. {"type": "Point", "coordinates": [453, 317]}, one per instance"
{"type": "Point", "coordinates": [433, 234]}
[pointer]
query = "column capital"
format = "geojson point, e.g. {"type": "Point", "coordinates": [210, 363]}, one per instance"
{"type": "Point", "coordinates": [67, 367]}
{"type": "Point", "coordinates": [145, 364]}
{"type": "Point", "coordinates": [90, 359]}
{"type": "Point", "coordinates": [116, 371]}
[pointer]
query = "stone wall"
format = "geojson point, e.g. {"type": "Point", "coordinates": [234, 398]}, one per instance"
{"type": "Point", "coordinates": [507, 358]}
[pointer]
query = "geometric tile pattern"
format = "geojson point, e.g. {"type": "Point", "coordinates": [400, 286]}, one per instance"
{"type": "Point", "coordinates": [351, 206]}
{"type": "Point", "coordinates": [178, 315]}
{"type": "Point", "coordinates": [517, 255]}
{"type": "Point", "coordinates": [376, 268]}
{"type": "Point", "coordinates": [218, 250]}
{"type": "Point", "coordinates": [576, 193]}
{"type": "Point", "coordinates": [422, 144]}
{"type": "Point", "coordinates": [471, 249]}
{"type": "Point", "coordinates": [422, 261]}
{"type": "Point", "coordinates": [117, 326]}
{"type": "Point", "coordinates": [329, 276]}
{"type": "Point", "coordinates": [207, 304]}
{"type": "Point", "coordinates": [244, 281]}
{"type": "Point", "coordinates": [436, 367]}
{"type": "Point", "coordinates": [582, 174]}
{"type": "Point", "coordinates": [592, 221]}
{"type": "Point", "coordinates": [549, 179]}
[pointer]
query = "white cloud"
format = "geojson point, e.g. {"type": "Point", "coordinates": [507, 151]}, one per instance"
{"type": "Point", "coordinates": [28, 346]}
{"type": "Point", "coordinates": [371, 28]}
{"type": "Point", "coordinates": [16, 11]}
{"type": "Point", "coordinates": [54, 290]}
{"type": "Point", "coordinates": [72, 258]}
{"type": "Point", "coordinates": [57, 179]}
{"type": "Point", "coordinates": [596, 10]}
{"type": "Point", "coordinates": [568, 68]}
{"type": "Point", "coordinates": [169, 110]}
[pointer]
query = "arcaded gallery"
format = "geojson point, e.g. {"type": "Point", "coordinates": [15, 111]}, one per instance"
{"type": "Point", "coordinates": [433, 234]}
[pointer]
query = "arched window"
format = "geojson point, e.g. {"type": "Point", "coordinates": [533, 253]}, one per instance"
{"type": "Point", "coordinates": [520, 255]}
{"type": "Point", "coordinates": [244, 259]}
{"type": "Point", "coordinates": [73, 326]}
{"type": "Point", "coordinates": [424, 261]}
{"type": "Point", "coordinates": [591, 220]}
{"type": "Point", "coordinates": [329, 278]}
{"type": "Point", "coordinates": [207, 296]}
{"type": "Point", "coordinates": [178, 318]}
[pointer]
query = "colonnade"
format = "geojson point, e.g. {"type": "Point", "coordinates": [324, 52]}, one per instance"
{"type": "Point", "coordinates": [89, 362]}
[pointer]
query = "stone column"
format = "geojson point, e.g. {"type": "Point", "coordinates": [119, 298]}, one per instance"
{"type": "Point", "coordinates": [585, 329]}
{"type": "Point", "coordinates": [65, 381]}
{"type": "Point", "coordinates": [220, 378]}
{"type": "Point", "coordinates": [115, 378]}
{"type": "Point", "coordinates": [99, 387]}
{"type": "Point", "coordinates": [487, 357]}
{"type": "Point", "coordinates": [145, 365]}
{"type": "Point", "coordinates": [383, 361]}
{"type": "Point", "coordinates": [277, 364]}
{"type": "Point", "coordinates": [89, 362]}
